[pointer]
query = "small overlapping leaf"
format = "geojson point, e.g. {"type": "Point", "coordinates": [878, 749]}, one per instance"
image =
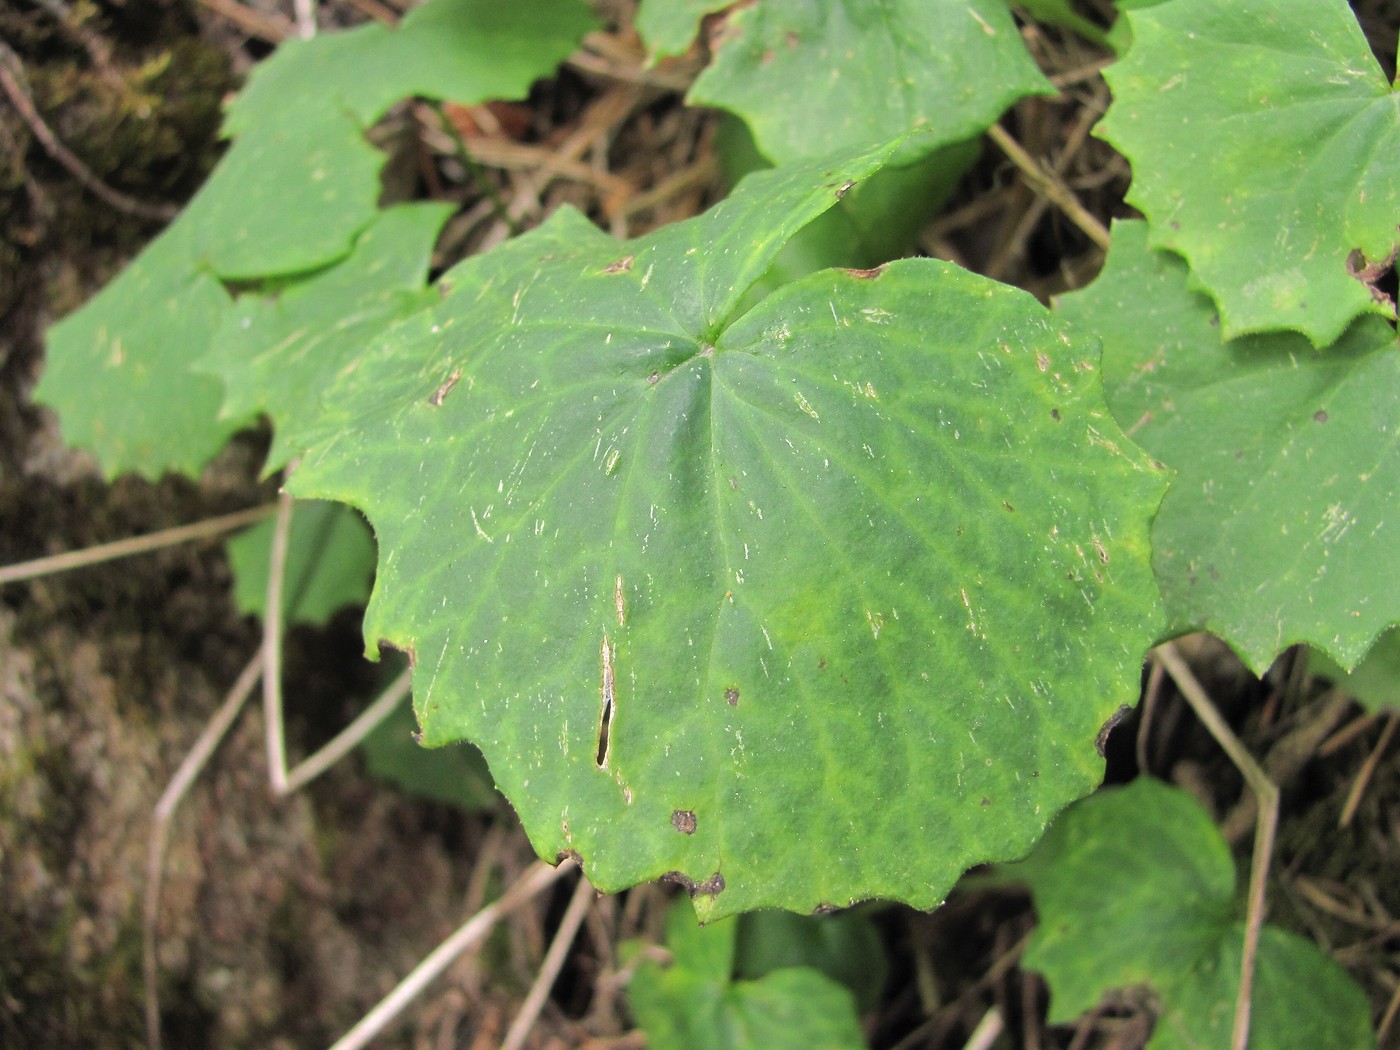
{"type": "Point", "coordinates": [1263, 138]}
{"type": "Point", "coordinates": [291, 195]}
{"type": "Point", "coordinates": [668, 26]}
{"type": "Point", "coordinates": [752, 600]}
{"type": "Point", "coordinates": [1276, 529]}
{"type": "Point", "coordinates": [277, 354]}
{"type": "Point", "coordinates": [330, 563]}
{"type": "Point", "coordinates": [1375, 681]}
{"type": "Point", "coordinates": [1135, 886]}
{"type": "Point", "coordinates": [693, 1002]}
{"type": "Point", "coordinates": [952, 66]}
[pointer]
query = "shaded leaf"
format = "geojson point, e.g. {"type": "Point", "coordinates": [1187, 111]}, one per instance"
{"type": "Point", "coordinates": [1273, 531]}
{"type": "Point", "coordinates": [691, 1003]}
{"type": "Point", "coordinates": [455, 775]}
{"type": "Point", "coordinates": [951, 66]}
{"type": "Point", "coordinates": [330, 563]}
{"type": "Point", "coordinates": [669, 26]}
{"type": "Point", "coordinates": [1135, 886]}
{"type": "Point", "coordinates": [845, 946]}
{"type": "Point", "coordinates": [1375, 681]}
{"type": "Point", "coordinates": [796, 563]}
{"type": "Point", "coordinates": [1262, 136]}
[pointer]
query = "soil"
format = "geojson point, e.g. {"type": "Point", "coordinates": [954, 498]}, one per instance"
{"type": "Point", "coordinates": [284, 919]}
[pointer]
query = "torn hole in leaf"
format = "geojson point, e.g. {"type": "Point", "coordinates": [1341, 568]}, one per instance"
{"type": "Point", "coordinates": [1379, 277]}
{"type": "Point", "coordinates": [605, 719]}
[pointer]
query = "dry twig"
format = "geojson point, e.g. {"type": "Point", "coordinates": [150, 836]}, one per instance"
{"type": "Point", "coordinates": [1266, 826]}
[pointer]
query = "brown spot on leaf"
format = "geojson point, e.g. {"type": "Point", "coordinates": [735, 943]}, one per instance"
{"type": "Point", "coordinates": [711, 887]}
{"type": "Point", "coordinates": [1007, 507]}
{"type": "Point", "coordinates": [866, 275]}
{"type": "Point", "coordinates": [683, 820]}
{"type": "Point", "coordinates": [1055, 414]}
{"type": "Point", "coordinates": [1320, 415]}
{"type": "Point", "coordinates": [731, 697]}
{"type": "Point", "coordinates": [448, 384]}
{"type": "Point", "coordinates": [620, 266]}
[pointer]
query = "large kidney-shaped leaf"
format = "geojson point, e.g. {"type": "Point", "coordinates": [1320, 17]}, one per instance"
{"type": "Point", "coordinates": [293, 193]}
{"type": "Point", "coordinates": [1136, 886]}
{"type": "Point", "coordinates": [1263, 137]}
{"type": "Point", "coordinates": [1274, 531]}
{"type": "Point", "coordinates": [815, 604]}
{"type": "Point", "coordinates": [810, 76]}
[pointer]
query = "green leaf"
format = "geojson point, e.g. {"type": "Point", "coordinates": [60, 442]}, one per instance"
{"type": "Point", "coordinates": [1262, 135]}
{"type": "Point", "coordinates": [330, 563]}
{"type": "Point", "coordinates": [845, 946]}
{"type": "Point", "coordinates": [878, 220]}
{"type": "Point", "coordinates": [1135, 886]}
{"type": "Point", "coordinates": [464, 50]}
{"type": "Point", "coordinates": [275, 355]}
{"type": "Point", "coordinates": [808, 553]}
{"type": "Point", "coordinates": [1375, 681]}
{"type": "Point", "coordinates": [1273, 531]}
{"type": "Point", "coordinates": [291, 195]}
{"type": "Point", "coordinates": [455, 775]}
{"type": "Point", "coordinates": [116, 369]}
{"type": "Point", "coordinates": [692, 1003]}
{"type": "Point", "coordinates": [952, 66]}
{"type": "Point", "coordinates": [668, 26]}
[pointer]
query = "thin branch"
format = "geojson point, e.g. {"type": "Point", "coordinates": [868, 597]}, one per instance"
{"type": "Point", "coordinates": [184, 776]}
{"type": "Point", "coordinates": [574, 915]}
{"type": "Point", "coordinates": [271, 27]}
{"type": "Point", "coordinates": [305, 12]}
{"type": "Point", "coordinates": [28, 570]}
{"type": "Point", "coordinates": [1046, 183]}
{"type": "Point", "coordinates": [1266, 825]}
{"type": "Point", "coordinates": [1368, 770]}
{"type": "Point", "coordinates": [344, 742]}
{"type": "Point", "coordinates": [536, 878]}
{"type": "Point", "coordinates": [987, 1032]}
{"type": "Point", "coordinates": [272, 648]}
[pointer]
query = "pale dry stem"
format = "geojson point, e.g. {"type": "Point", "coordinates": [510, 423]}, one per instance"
{"type": "Point", "coordinates": [1266, 826]}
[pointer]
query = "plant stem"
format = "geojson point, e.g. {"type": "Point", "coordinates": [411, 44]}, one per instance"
{"type": "Point", "coordinates": [272, 647]}
{"type": "Point", "coordinates": [536, 878]}
{"type": "Point", "coordinates": [1265, 827]}
{"type": "Point", "coordinates": [579, 904]}
{"type": "Point", "coordinates": [199, 530]}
